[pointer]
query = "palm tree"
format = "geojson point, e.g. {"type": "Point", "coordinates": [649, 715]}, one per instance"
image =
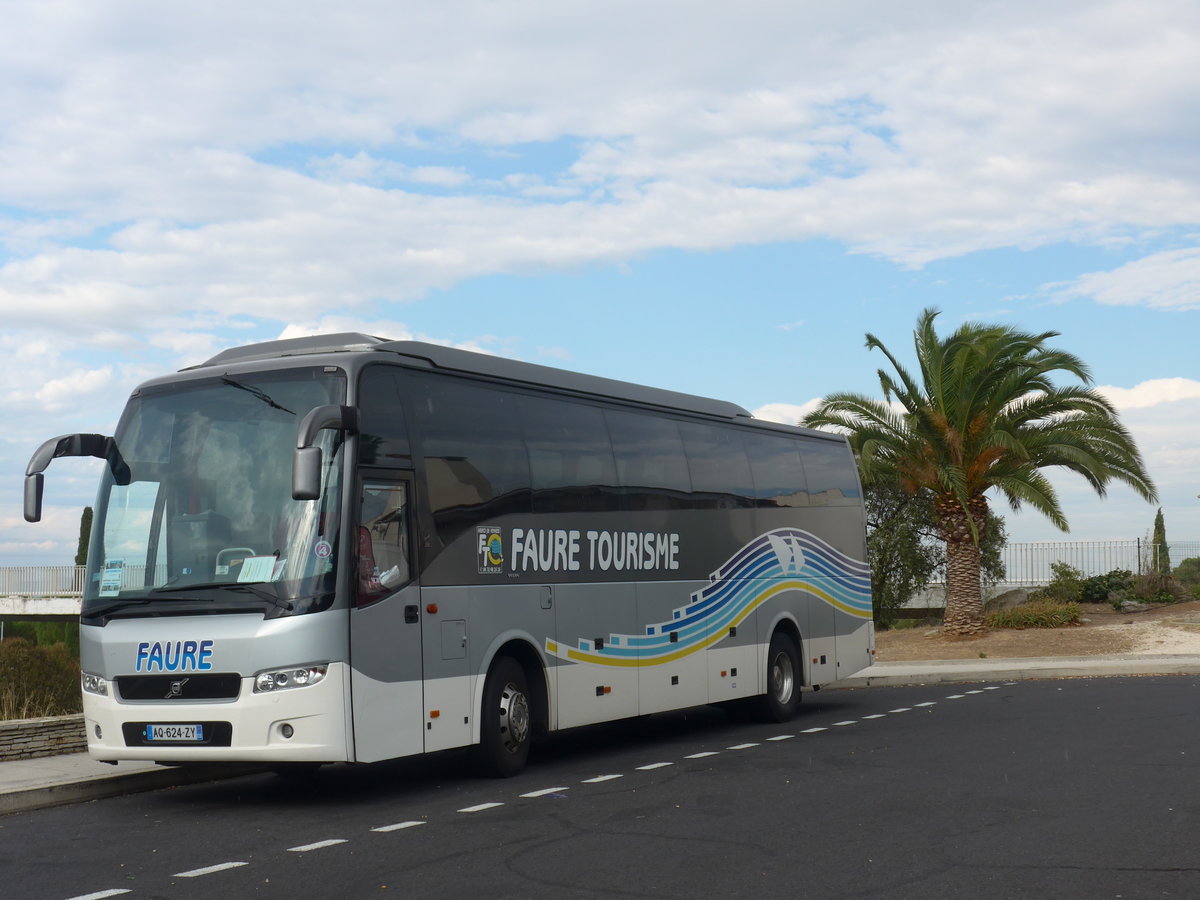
{"type": "Point", "coordinates": [984, 415]}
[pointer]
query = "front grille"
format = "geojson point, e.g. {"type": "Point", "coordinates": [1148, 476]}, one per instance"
{"type": "Point", "coordinates": [206, 686]}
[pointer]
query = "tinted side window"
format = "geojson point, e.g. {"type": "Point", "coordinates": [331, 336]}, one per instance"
{"type": "Point", "coordinates": [383, 435]}
{"type": "Point", "coordinates": [832, 479]}
{"type": "Point", "coordinates": [777, 470]}
{"type": "Point", "coordinates": [717, 461]}
{"type": "Point", "coordinates": [475, 463]}
{"type": "Point", "coordinates": [570, 457]}
{"type": "Point", "coordinates": [651, 465]}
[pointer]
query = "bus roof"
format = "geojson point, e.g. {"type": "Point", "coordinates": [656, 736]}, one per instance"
{"type": "Point", "coordinates": [417, 354]}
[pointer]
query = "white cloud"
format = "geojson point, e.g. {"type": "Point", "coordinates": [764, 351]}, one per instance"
{"type": "Point", "coordinates": [1152, 393]}
{"type": "Point", "coordinates": [931, 131]}
{"type": "Point", "coordinates": [785, 413]}
{"type": "Point", "coordinates": [1167, 280]}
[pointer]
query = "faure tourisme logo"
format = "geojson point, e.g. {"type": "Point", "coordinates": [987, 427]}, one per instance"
{"type": "Point", "coordinates": [489, 550]}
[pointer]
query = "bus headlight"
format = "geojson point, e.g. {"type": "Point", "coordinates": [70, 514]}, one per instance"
{"type": "Point", "coordinates": [281, 679]}
{"type": "Point", "coordinates": [94, 684]}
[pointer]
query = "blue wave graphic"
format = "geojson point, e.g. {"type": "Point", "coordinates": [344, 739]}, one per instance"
{"type": "Point", "coordinates": [780, 560]}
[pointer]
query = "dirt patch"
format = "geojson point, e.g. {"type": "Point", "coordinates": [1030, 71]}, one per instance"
{"type": "Point", "coordinates": [1161, 629]}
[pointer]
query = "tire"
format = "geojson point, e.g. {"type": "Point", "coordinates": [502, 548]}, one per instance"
{"type": "Point", "coordinates": [782, 699]}
{"type": "Point", "coordinates": [506, 720]}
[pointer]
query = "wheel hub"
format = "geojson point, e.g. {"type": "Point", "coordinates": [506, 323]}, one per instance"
{"type": "Point", "coordinates": [514, 717]}
{"type": "Point", "coordinates": [783, 678]}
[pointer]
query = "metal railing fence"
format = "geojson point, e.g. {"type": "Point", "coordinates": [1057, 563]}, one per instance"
{"type": "Point", "coordinates": [1032, 563]}
{"type": "Point", "coordinates": [43, 581]}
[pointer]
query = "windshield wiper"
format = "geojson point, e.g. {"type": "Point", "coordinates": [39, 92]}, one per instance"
{"type": "Point", "coordinates": [116, 605]}
{"type": "Point", "coordinates": [257, 392]}
{"type": "Point", "coordinates": [230, 586]}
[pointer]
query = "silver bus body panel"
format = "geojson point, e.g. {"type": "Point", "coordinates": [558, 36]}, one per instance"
{"type": "Point", "coordinates": [243, 645]}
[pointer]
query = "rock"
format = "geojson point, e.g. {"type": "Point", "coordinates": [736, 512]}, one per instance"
{"type": "Point", "coordinates": [1007, 600]}
{"type": "Point", "coordinates": [1133, 606]}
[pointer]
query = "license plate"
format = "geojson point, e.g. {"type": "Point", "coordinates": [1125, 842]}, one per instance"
{"type": "Point", "coordinates": [175, 732]}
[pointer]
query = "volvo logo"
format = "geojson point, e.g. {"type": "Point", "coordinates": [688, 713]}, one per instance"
{"type": "Point", "coordinates": [176, 689]}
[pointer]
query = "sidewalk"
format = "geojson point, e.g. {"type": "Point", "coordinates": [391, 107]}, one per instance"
{"type": "Point", "coordinates": [51, 781]}
{"type": "Point", "coordinates": [75, 777]}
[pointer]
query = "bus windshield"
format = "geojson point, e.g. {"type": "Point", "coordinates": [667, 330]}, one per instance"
{"type": "Point", "coordinates": [196, 503]}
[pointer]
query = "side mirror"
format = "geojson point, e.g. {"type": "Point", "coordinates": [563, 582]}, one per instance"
{"type": "Point", "coordinates": [306, 461]}
{"type": "Point", "coordinates": [34, 485]}
{"type": "Point", "coordinates": [97, 445]}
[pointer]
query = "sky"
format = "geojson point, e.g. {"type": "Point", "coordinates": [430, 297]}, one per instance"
{"type": "Point", "coordinates": [721, 199]}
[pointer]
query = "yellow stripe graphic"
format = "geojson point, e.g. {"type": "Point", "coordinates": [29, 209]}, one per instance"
{"type": "Point", "coordinates": [576, 655]}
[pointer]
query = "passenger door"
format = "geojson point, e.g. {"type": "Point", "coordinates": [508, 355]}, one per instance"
{"type": "Point", "coordinates": [385, 623]}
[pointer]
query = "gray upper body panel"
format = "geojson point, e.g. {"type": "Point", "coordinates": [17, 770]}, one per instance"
{"type": "Point", "coordinates": [351, 351]}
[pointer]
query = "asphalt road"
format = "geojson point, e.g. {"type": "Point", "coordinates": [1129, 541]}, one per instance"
{"type": "Point", "coordinates": [1071, 788]}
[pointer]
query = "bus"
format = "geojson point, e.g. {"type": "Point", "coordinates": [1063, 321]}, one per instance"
{"type": "Point", "coordinates": [343, 548]}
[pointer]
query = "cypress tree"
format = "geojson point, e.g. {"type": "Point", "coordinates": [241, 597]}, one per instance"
{"type": "Point", "coordinates": [1161, 560]}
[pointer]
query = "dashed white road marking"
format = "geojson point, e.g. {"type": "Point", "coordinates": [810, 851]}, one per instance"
{"type": "Point", "coordinates": [319, 845]}
{"type": "Point", "coordinates": [209, 870]}
{"type": "Point", "coordinates": [398, 826]}
{"type": "Point", "coordinates": [479, 807]}
{"type": "Point", "coordinates": [544, 791]}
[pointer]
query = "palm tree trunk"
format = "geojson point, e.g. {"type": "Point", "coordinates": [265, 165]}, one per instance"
{"type": "Point", "coordinates": [964, 599]}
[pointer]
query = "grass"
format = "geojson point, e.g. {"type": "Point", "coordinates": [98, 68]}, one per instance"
{"type": "Point", "coordinates": [1035, 614]}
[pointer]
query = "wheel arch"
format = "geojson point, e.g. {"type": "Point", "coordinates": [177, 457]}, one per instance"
{"type": "Point", "coordinates": [784, 623]}
{"type": "Point", "coordinates": [521, 648]}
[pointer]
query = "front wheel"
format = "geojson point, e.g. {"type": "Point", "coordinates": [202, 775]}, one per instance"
{"type": "Point", "coordinates": [783, 679]}
{"type": "Point", "coordinates": [506, 722]}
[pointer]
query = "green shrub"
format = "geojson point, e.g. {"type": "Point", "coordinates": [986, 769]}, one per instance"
{"type": "Point", "coordinates": [1188, 571]}
{"type": "Point", "coordinates": [1151, 588]}
{"type": "Point", "coordinates": [1035, 614]}
{"type": "Point", "coordinates": [1099, 588]}
{"type": "Point", "coordinates": [1066, 585]}
{"type": "Point", "coordinates": [37, 681]}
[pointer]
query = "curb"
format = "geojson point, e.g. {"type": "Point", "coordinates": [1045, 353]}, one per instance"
{"type": "Point", "coordinates": [954, 671]}
{"type": "Point", "coordinates": [117, 784]}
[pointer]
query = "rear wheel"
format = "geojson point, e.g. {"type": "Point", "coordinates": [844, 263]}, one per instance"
{"type": "Point", "coordinates": [506, 725]}
{"type": "Point", "coordinates": [783, 679]}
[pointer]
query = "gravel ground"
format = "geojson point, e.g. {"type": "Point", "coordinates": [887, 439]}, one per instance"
{"type": "Point", "coordinates": [1163, 629]}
